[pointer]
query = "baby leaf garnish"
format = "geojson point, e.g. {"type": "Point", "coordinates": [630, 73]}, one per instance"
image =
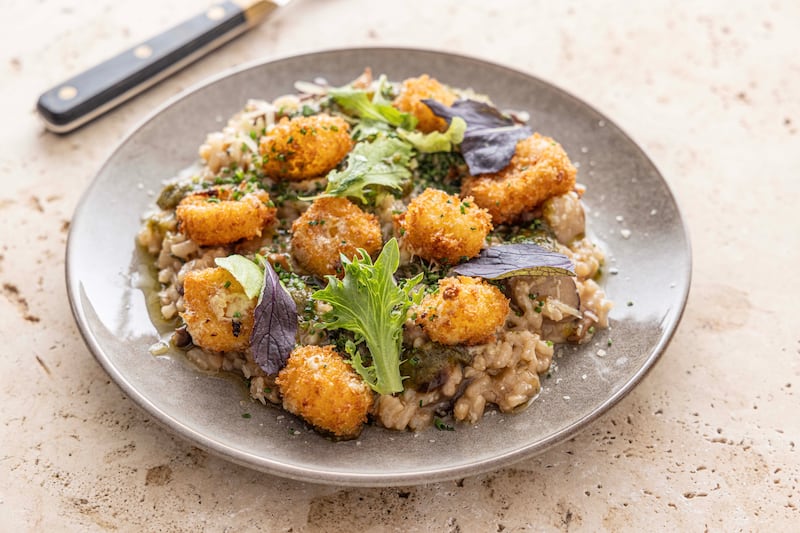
{"type": "Point", "coordinates": [383, 162]}
{"type": "Point", "coordinates": [436, 141]}
{"type": "Point", "coordinates": [275, 326]}
{"type": "Point", "coordinates": [491, 137]}
{"type": "Point", "coordinates": [372, 106]}
{"type": "Point", "coordinates": [524, 259]}
{"type": "Point", "coordinates": [369, 303]}
{"type": "Point", "coordinates": [245, 272]}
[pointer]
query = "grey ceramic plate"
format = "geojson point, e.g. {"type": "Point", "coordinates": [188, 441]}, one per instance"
{"type": "Point", "coordinates": [104, 280]}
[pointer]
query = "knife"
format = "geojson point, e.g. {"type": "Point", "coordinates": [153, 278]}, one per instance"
{"type": "Point", "coordinates": [88, 95]}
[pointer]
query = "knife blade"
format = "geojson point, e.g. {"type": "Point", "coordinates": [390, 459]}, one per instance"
{"type": "Point", "coordinates": [82, 98]}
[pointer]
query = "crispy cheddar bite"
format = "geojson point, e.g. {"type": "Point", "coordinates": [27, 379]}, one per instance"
{"type": "Point", "coordinates": [442, 227]}
{"type": "Point", "coordinates": [463, 311]}
{"type": "Point", "coordinates": [218, 315]}
{"type": "Point", "coordinates": [415, 90]}
{"type": "Point", "coordinates": [222, 215]}
{"type": "Point", "coordinates": [305, 147]}
{"type": "Point", "coordinates": [319, 386]}
{"type": "Point", "coordinates": [539, 170]}
{"type": "Point", "coordinates": [330, 227]}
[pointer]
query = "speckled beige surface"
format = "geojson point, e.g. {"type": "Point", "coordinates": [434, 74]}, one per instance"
{"type": "Point", "coordinates": [707, 441]}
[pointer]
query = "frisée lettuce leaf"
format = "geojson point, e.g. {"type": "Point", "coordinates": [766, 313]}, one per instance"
{"type": "Point", "coordinates": [372, 106]}
{"type": "Point", "coordinates": [383, 162]}
{"type": "Point", "coordinates": [369, 303]}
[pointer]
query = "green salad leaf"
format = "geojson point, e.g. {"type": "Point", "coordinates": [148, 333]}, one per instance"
{"type": "Point", "coordinates": [369, 303]}
{"type": "Point", "coordinates": [369, 130]}
{"type": "Point", "coordinates": [437, 141]}
{"type": "Point", "coordinates": [372, 105]}
{"type": "Point", "coordinates": [383, 162]}
{"type": "Point", "coordinates": [246, 272]}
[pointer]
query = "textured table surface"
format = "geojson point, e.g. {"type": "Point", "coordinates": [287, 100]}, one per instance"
{"type": "Point", "coordinates": [707, 441]}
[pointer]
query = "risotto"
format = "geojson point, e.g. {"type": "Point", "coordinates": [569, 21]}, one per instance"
{"type": "Point", "coordinates": [401, 254]}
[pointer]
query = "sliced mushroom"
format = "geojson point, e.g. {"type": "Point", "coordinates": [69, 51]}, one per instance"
{"type": "Point", "coordinates": [555, 298]}
{"type": "Point", "coordinates": [561, 289]}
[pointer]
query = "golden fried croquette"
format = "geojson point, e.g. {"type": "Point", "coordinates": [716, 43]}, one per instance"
{"type": "Point", "coordinates": [218, 315]}
{"type": "Point", "coordinates": [415, 90]}
{"type": "Point", "coordinates": [329, 227]}
{"type": "Point", "coordinates": [539, 170]}
{"type": "Point", "coordinates": [225, 214]}
{"type": "Point", "coordinates": [442, 227]}
{"type": "Point", "coordinates": [319, 386]}
{"type": "Point", "coordinates": [463, 311]}
{"type": "Point", "coordinates": [305, 147]}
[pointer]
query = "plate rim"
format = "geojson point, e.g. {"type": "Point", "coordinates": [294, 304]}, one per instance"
{"type": "Point", "coordinates": [330, 476]}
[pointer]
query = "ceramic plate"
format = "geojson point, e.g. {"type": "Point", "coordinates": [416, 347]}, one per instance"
{"type": "Point", "coordinates": [648, 251]}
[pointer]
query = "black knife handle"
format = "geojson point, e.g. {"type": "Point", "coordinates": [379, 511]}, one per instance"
{"type": "Point", "coordinates": [78, 100]}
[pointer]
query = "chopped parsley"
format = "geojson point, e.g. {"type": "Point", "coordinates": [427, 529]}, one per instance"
{"type": "Point", "coordinates": [441, 426]}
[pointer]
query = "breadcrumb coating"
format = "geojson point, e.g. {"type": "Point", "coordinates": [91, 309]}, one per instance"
{"type": "Point", "coordinates": [413, 91]}
{"type": "Point", "coordinates": [330, 227]}
{"type": "Point", "coordinates": [305, 147]}
{"type": "Point", "coordinates": [463, 311]}
{"type": "Point", "coordinates": [319, 386]}
{"type": "Point", "coordinates": [218, 315]}
{"type": "Point", "coordinates": [539, 170]}
{"type": "Point", "coordinates": [222, 215]}
{"type": "Point", "coordinates": [442, 227]}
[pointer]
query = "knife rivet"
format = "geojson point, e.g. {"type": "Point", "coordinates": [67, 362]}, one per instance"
{"type": "Point", "coordinates": [67, 92]}
{"type": "Point", "coordinates": [215, 13]}
{"type": "Point", "coordinates": [143, 51]}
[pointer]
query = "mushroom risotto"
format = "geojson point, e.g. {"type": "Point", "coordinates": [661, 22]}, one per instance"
{"type": "Point", "coordinates": [403, 254]}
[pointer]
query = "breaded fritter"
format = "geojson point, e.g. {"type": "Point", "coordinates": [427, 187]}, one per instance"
{"type": "Point", "coordinates": [442, 227]}
{"type": "Point", "coordinates": [218, 315]}
{"type": "Point", "coordinates": [329, 227]}
{"type": "Point", "coordinates": [223, 215]}
{"type": "Point", "coordinates": [413, 91]}
{"type": "Point", "coordinates": [539, 170]}
{"type": "Point", "coordinates": [463, 311]}
{"type": "Point", "coordinates": [319, 386]}
{"type": "Point", "coordinates": [305, 147]}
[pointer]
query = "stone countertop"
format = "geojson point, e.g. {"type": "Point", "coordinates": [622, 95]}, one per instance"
{"type": "Point", "coordinates": [708, 440]}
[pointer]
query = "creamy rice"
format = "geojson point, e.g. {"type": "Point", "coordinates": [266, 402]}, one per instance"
{"type": "Point", "coordinates": [502, 373]}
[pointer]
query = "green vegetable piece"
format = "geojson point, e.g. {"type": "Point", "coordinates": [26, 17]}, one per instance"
{"type": "Point", "coordinates": [429, 366]}
{"type": "Point", "coordinates": [437, 141]}
{"type": "Point", "coordinates": [441, 425]}
{"type": "Point", "coordinates": [172, 194]}
{"type": "Point", "coordinates": [381, 163]}
{"type": "Point", "coordinates": [369, 303]}
{"type": "Point", "coordinates": [247, 273]}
